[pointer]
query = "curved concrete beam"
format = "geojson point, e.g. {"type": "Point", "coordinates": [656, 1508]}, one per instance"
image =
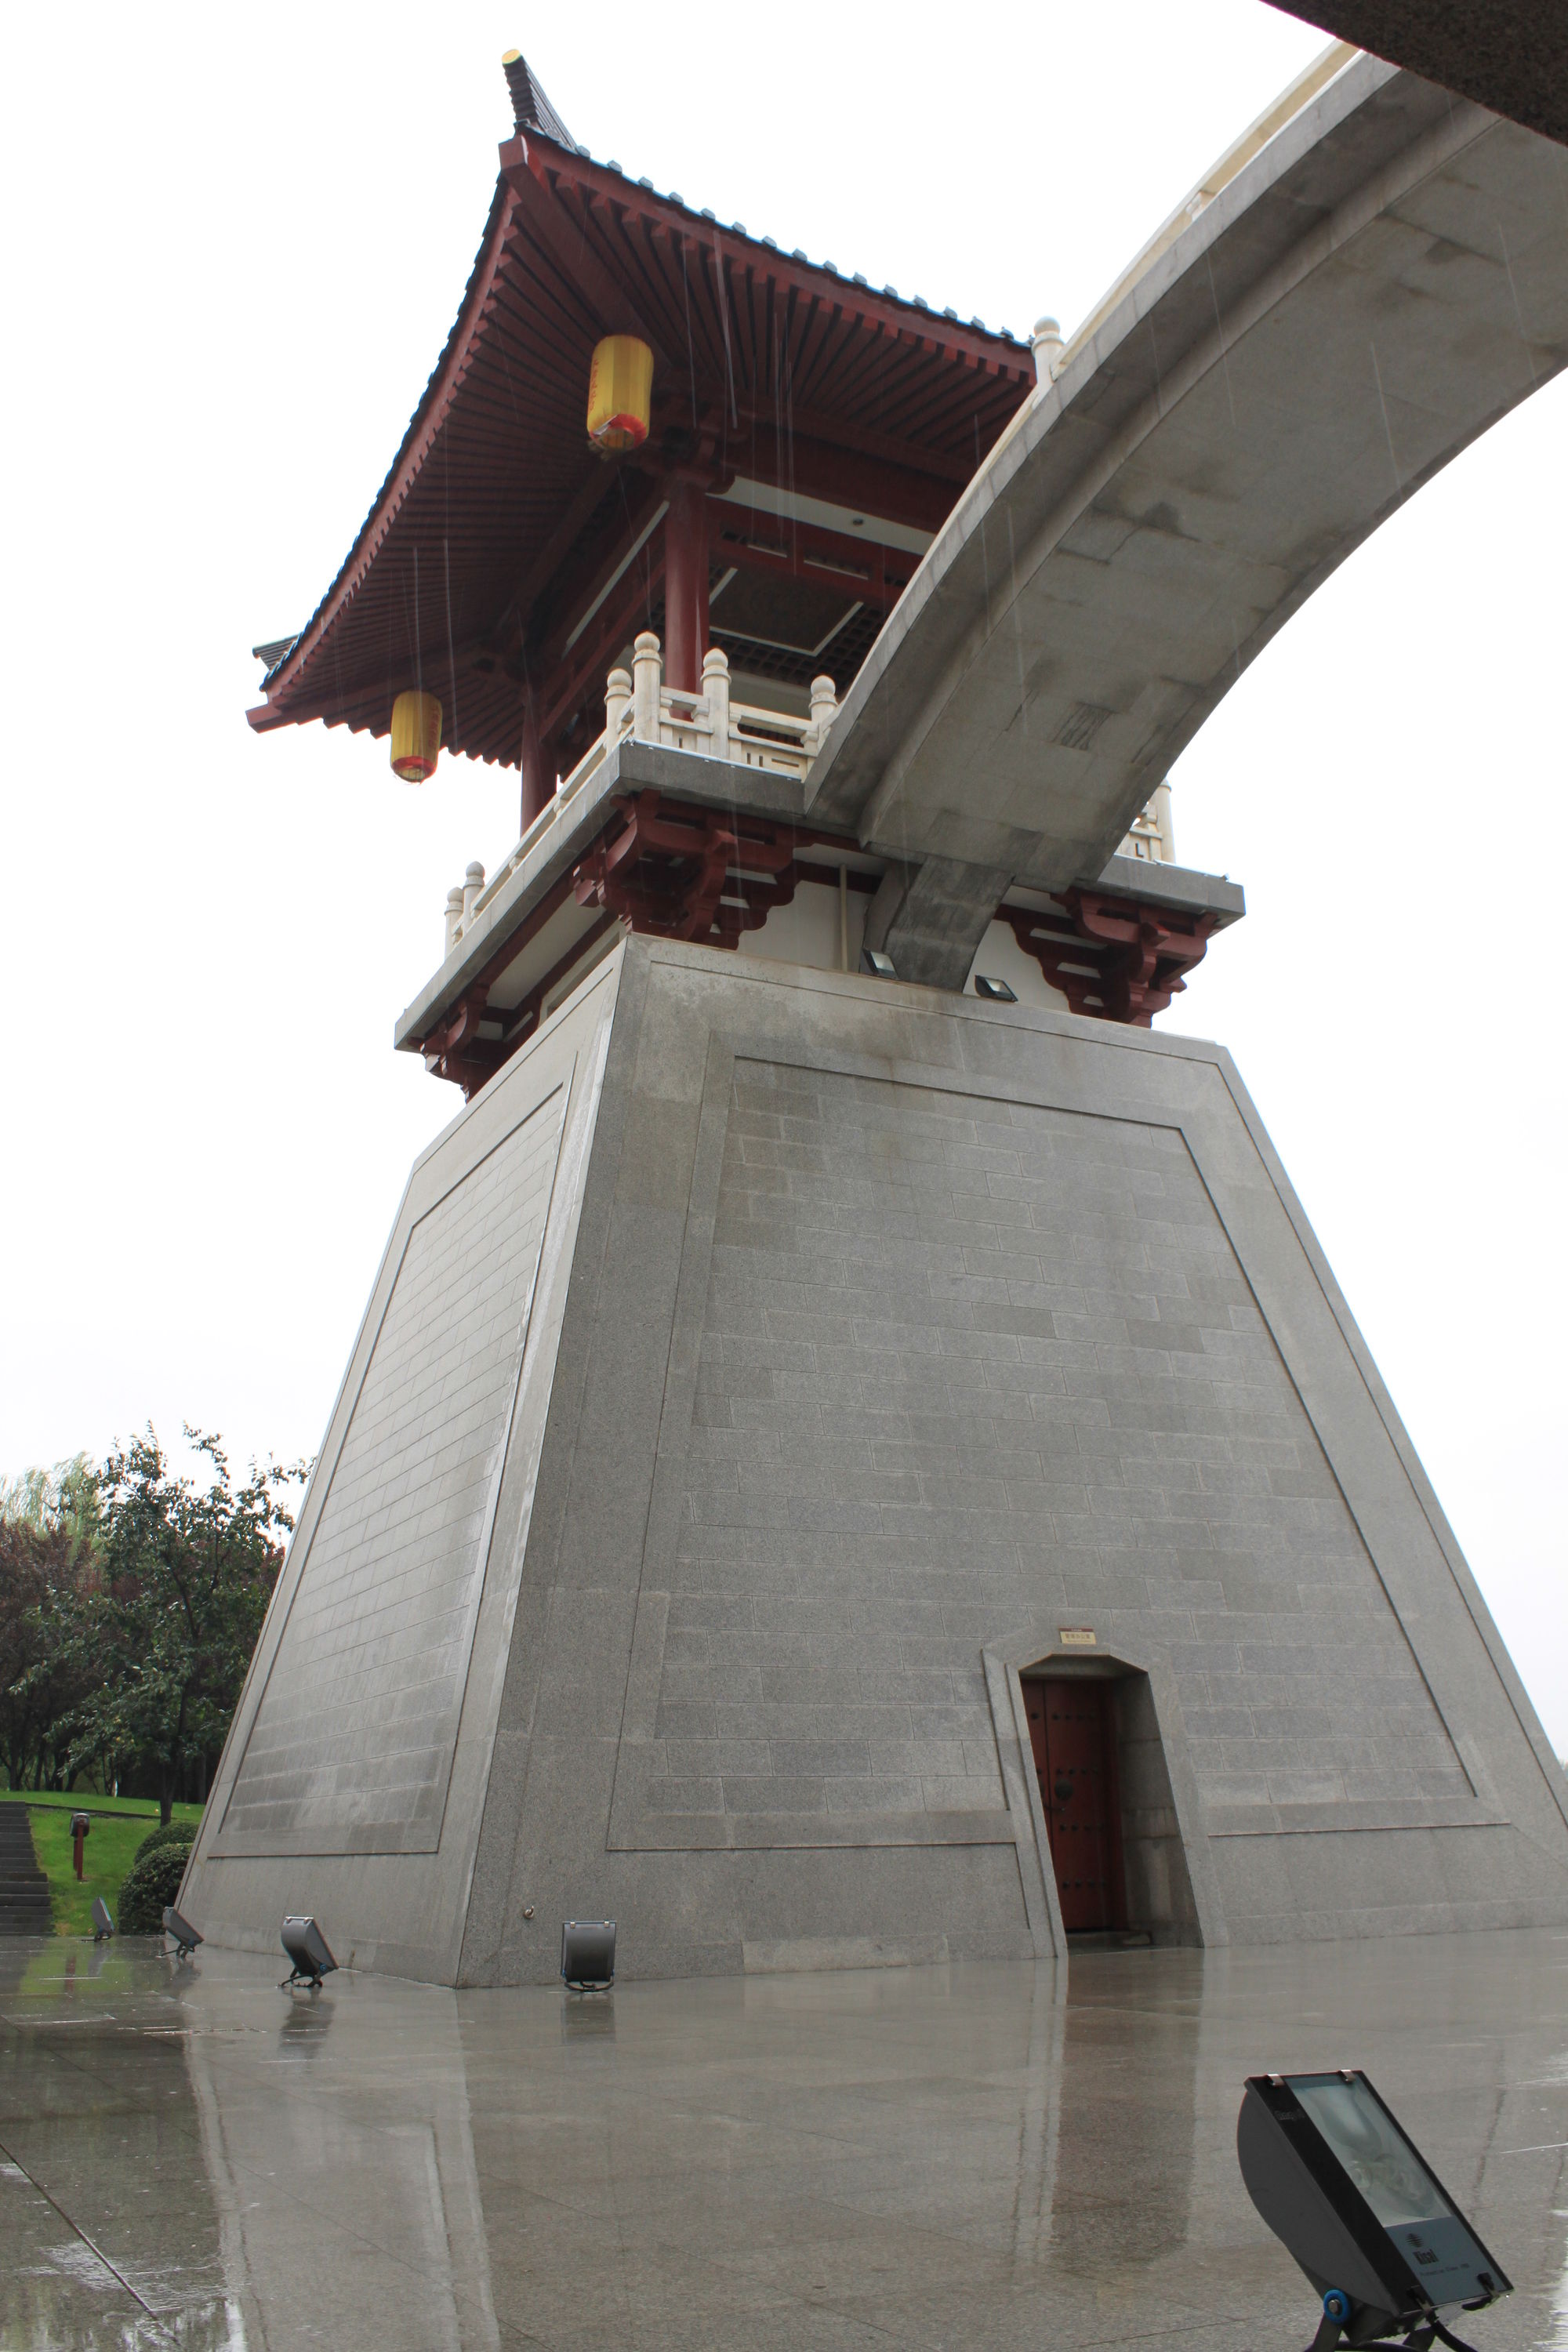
{"type": "Point", "coordinates": [1384, 280]}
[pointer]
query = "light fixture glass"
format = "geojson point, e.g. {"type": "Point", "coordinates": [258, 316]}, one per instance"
{"type": "Point", "coordinates": [1350, 2197]}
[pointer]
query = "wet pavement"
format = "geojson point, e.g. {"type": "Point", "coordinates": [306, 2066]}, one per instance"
{"type": "Point", "coordinates": [966, 2157]}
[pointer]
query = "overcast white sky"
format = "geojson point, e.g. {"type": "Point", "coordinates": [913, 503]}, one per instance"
{"type": "Point", "coordinates": [235, 243]}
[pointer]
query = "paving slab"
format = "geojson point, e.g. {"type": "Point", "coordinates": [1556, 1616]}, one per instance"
{"type": "Point", "coordinates": [981, 2155]}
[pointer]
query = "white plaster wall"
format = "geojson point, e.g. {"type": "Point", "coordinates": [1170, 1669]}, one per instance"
{"type": "Point", "coordinates": [806, 930]}
{"type": "Point", "coordinates": [1001, 957]}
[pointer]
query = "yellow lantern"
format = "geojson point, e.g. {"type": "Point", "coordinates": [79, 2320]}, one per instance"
{"type": "Point", "coordinates": [620, 394]}
{"type": "Point", "coordinates": [416, 736]}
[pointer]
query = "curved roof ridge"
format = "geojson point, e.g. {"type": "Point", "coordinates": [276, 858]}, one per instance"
{"type": "Point", "coordinates": [471, 316]}
{"type": "Point", "coordinates": [530, 109]}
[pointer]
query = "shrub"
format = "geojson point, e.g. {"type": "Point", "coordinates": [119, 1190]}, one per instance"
{"type": "Point", "coordinates": [176, 1834]}
{"type": "Point", "coordinates": [154, 1880]}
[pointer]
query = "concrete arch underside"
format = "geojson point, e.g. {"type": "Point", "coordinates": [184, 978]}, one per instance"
{"type": "Point", "coordinates": [1386, 278]}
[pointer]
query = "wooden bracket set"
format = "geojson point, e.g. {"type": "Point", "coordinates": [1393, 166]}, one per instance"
{"type": "Point", "coordinates": [1114, 957]}
{"type": "Point", "coordinates": [683, 873]}
{"type": "Point", "coordinates": [709, 874]}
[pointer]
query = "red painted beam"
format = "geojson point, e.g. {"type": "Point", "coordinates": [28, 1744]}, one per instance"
{"type": "Point", "coordinates": [561, 234]}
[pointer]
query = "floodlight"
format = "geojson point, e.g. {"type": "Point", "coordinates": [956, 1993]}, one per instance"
{"type": "Point", "coordinates": [996, 990]}
{"type": "Point", "coordinates": [307, 1947]}
{"type": "Point", "coordinates": [184, 1935]}
{"type": "Point", "coordinates": [879, 965]}
{"type": "Point", "coordinates": [102, 1919]}
{"type": "Point", "coordinates": [1342, 2186]}
{"type": "Point", "coordinates": [588, 1953]}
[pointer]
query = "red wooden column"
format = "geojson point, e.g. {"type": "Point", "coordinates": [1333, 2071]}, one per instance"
{"type": "Point", "coordinates": [538, 767]}
{"type": "Point", "coordinates": [685, 582]}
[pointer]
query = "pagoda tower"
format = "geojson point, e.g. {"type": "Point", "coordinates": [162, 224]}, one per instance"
{"type": "Point", "coordinates": [854, 1453]}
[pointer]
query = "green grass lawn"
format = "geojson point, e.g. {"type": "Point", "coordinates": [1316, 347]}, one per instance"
{"type": "Point", "coordinates": [116, 1830]}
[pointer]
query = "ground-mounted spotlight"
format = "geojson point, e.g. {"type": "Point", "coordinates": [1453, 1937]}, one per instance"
{"type": "Point", "coordinates": [588, 1955]}
{"type": "Point", "coordinates": [103, 1920]}
{"type": "Point", "coordinates": [186, 1936]}
{"type": "Point", "coordinates": [879, 965]}
{"type": "Point", "coordinates": [1343, 2187]}
{"type": "Point", "coordinates": [996, 990]}
{"type": "Point", "coordinates": [307, 1947]}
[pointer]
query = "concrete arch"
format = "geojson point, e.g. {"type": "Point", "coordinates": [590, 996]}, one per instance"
{"type": "Point", "coordinates": [1382, 279]}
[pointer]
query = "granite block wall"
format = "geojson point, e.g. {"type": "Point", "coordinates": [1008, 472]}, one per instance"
{"type": "Point", "coordinates": [962, 1359]}
{"type": "Point", "coordinates": [358, 1722]}
{"type": "Point", "coordinates": [827, 1352]}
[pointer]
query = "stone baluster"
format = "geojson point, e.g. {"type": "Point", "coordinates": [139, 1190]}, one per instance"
{"type": "Point", "coordinates": [1160, 809]}
{"type": "Point", "coordinates": [824, 710]}
{"type": "Point", "coordinates": [645, 666]}
{"type": "Point", "coordinates": [716, 689]}
{"type": "Point", "coordinates": [1047, 346]}
{"type": "Point", "coordinates": [617, 702]}
{"type": "Point", "coordinates": [473, 882]}
{"type": "Point", "coordinates": [454, 916]}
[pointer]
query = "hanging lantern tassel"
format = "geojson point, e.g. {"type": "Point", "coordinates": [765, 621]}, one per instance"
{"type": "Point", "coordinates": [620, 394]}
{"type": "Point", "coordinates": [415, 736]}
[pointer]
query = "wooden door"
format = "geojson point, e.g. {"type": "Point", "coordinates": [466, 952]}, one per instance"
{"type": "Point", "coordinates": [1072, 1734]}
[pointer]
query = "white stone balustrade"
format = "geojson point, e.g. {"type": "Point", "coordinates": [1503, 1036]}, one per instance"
{"type": "Point", "coordinates": [1151, 834]}
{"type": "Point", "coordinates": [639, 705]}
{"type": "Point", "coordinates": [710, 724]}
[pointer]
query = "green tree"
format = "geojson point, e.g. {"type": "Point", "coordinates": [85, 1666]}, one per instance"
{"type": "Point", "coordinates": [166, 1626]}
{"type": "Point", "coordinates": [48, 1535]}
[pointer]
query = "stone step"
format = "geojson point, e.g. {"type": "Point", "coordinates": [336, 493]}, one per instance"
{"type": "Point", "coordinates": [35, 1919]}
{"type": "Point", "coordinates": [24, 1906]}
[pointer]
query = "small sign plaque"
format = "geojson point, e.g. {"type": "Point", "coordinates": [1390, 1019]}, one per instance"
{"type": "Point", "coordinates": [1076, 1637]}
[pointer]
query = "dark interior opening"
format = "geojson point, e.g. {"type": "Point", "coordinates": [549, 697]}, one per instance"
{"type": "Point", "coordinates": [1115, 1842]}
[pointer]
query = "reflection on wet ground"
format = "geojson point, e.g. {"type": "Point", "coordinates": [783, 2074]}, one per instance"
{"type": "Point", "coordinates": [968, 2157]}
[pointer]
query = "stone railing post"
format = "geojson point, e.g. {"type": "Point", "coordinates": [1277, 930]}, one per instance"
{"type": "Point", "coordinates": [617, 702]}
{"type": "Point", "coordinates": [473, 882]}
{"type": "Point", "coordinates": [1047, 346]}
{"type": "Point", "coordinates": [824, 710]}
{"type": "Point", "coordinates": [645, 666]}
{"type": "Point", "coordinates": [716, 691]}
{"type": "Point", "coordinates": [454, 916]}
{"type": "Point", "coordinates": [1160, 809]}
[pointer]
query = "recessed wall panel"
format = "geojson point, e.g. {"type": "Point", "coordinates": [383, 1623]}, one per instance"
{"type": "Point", "coordinates": [966, 1363]}
{"type": "Point", "coordinates": [356, 1729]}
